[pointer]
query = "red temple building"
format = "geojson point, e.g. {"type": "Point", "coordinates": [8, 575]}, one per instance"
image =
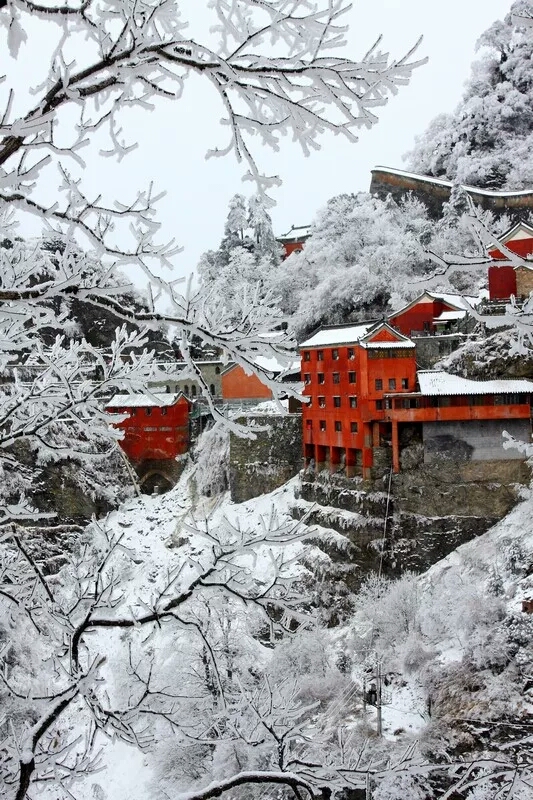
{"type": "Point", "coordinates": [294, 240]}
{"type": "Point", "coordinates": [346, 372]}
{"type": "Point", "coordinates": [240, 387]}
{"type": "Point", "coordinates": [366, 397]}
{"type": "Point", "coordinates": [431, 313]}
{"type": "Point", "coordinates": [505, 279]}
{"type": "Point", "coordinates": [157, 425]}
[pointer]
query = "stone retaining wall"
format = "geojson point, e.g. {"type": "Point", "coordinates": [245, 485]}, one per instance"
{"type": "Point", "coordinates": [263, 464]}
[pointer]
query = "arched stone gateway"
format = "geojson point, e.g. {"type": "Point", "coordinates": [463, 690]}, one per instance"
{"type": "Point", "coordinates": [156, 483]}
{"type": "Point", "coordinates": [158, 476]}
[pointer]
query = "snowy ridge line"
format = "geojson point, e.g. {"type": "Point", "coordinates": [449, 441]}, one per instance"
{"type": "Point", "coordinates": [451, 184]}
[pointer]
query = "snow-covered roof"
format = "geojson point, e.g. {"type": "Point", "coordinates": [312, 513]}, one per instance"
{"type": "Point", "coordinates": [272, 364]}
{"type": "Point", "coordinates": [434, 382]}
{"type": "Point", "coordinates": [449, 184]}
{"type": "Point", "coordinates": [350, 334]}
{"type": "Point", "coordinates": [400, 340]}
{"type": "Point", "coordinates": [388, 345]}
{"type": "Point", "coordinates": [449, 316]}
{"type": "Point", "coordinates": [521, 230]}
{"type": "Point", "coordinates": [296, 233]}
{"type": "Point", "coordinates": [143, 400]}
{"type": "Point", "coordinates": [338, 334]}
{"type": "Point", "coordinates": [457, 300]}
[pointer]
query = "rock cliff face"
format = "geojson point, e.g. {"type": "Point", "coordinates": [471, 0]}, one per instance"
{"type": "Point", "coordinates": [490, 358]}
{"type": "Point", "coordinates": [411, 520]}
{"type": "Point", "coordinates": [395, 522]}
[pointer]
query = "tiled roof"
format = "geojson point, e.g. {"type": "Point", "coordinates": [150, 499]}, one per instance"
{"type": "Point", "coordinates": [433, 382]}
{"type": "Point", "coordinates": [143, 400]}
{"type": "Point", "coordinates": [342, 334]}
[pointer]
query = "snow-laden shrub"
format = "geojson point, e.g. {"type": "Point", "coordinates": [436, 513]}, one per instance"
{"type": "Point", "coordinates": [388, 610]}
{"type": "Point", "coordinates": [212, 461]}
{"type": "Point", "coordinates": [403, 785]}
{"type": "Point", "coordinates": [416, 654]}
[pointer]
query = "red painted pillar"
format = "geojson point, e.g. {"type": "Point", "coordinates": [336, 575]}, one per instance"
{"type": "Point", "coordinates": [334, 458]}
{"type": "Point", "coordinates": [351, 462]}
{"type": "Point", "coordinates": [395, 447]}
{"type": "Point", "coordinates": [368, 458]}
{"type": "Point", "coordinates": [320, 460]}
{"type": "Point", "coordinates": [375, 434]}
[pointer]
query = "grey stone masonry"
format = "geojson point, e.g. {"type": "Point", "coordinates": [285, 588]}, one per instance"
{"type": "Point", "coordinates": [260, 465]}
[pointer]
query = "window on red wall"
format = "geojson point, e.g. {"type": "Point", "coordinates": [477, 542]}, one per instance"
{"type": "Point", "coordinates": [379, 405]}
{"type": "Point", "coordinates": [405, 383]}
{"type": "Point", "coordinates": [335, 355]}
{"type": "Point", "coordinates": [392, 383]}
{"type": "Point", "coordinates": [379, 384]}
{"type": "Point", "coordinates": [307, 378]}
{"type": "Point", "coordinates": [353, 401]}
{"type": "Point", "coordinates": [320, 377]}
{"type": "Point", "coordinates": [164, 411]}
{"type": "Point", "coordinates": [322, 424]}
{"type": "Point", "coordinates": [338, 425]}
{"type": "Point", "coordinates": [351, 353]}
{"type": "Point", "coordinates": [307, 355]}
{"type": "Point", "coordinates": [321, 402]}
{"type": "Point", "coordinates": [148, 412]}
{"type": "Point", "coordinates": [336, 402]}
{"type": "Point", "coordinates": [308, 423]}
{"type": "Point", "coordinates": [352, 377]}
{"type": "Point", "coordinates": [336, 377]}
{"type": "Point", "coordinates": [353, 427]}
{"type": "Point", "coordinates": [320, 355]}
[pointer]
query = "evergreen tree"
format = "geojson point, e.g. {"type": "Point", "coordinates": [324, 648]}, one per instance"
{"type": "Point", "coordinates": [247, 258]}
{"type": "Point", "coordinates": [260, 222]}
{"type": "Point", "coordinates": [235, 229]}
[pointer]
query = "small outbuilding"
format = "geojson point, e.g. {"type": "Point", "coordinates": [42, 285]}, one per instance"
{"type": "Point", "coordinates": [156, 426]}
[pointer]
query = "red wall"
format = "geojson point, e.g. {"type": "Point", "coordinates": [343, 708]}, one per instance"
{"type": "Point", "coordinates": [502, 283]}
{"type": "Point", "coordinates": [290, 247]}
{"type": "Point", "coordinates": [155, 432]}
{"type": "Point", "coordinates": [237, 385]}
{"type": "Point", "coordinates": [419, 317]}
{"type": "Point", "coordinates": [369, 365]}
{"type": "Point", "coordinates": [502, 280]}
{"type": "Point", "coordinates": [522, 247]}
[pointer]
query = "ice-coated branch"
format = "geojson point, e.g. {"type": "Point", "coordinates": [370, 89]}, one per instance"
{"type": "Point", "coordinates": [245, 778]}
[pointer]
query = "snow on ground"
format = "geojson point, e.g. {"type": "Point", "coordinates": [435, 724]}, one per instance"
{"type": "Point", "coordinates": [153, 527]}
{"type": "Point", "coordinates": [491, 554]}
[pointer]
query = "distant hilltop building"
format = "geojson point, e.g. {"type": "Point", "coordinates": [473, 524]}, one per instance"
{"type": "Point", "coordinates": [434, 192]}
{"type": "Point", "coordinates": [294, 240]}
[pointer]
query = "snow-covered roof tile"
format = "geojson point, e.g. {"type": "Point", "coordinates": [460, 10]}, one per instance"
{"type": "Point", "coordinates": [296, 232]}
{"type": "Point", "coordinates": [434, 382]}
{"type": "Point", "coordinates": [448, 316]}
{"type": "Point", "coordinates": [388, 345]}
{"type": "Point", "coordinates": [343, 334]}
{"type": "Point", "coordinates": [457, 300]}
{"type": "Point", "coordinates": [143, 400]}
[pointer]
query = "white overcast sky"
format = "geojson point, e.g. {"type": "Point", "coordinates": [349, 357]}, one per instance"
{"type": "Point", "coordinates": [174, 137]}
{"type": "Point", "coordinates": [175, 140]}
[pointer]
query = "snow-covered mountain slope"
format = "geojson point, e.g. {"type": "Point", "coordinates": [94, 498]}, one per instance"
{"type": "Point", "coordinates": [454, 646]}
